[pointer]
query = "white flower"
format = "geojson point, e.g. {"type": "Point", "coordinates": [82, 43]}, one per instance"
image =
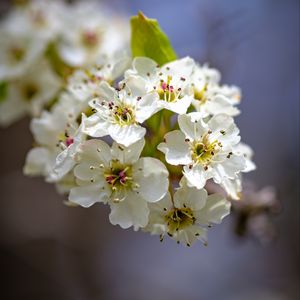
{"type": "Point", "coordinates": [29, 94]}
{"type": "Point", "coordinates": [234, 186]}
{"type": "Point", "coordinates": [88, 32]}
{"type": "Point", "coordinates": [18, 53]}
{"type": "Point", "coordinates": [185, 216]}
{"type": "Point", "coordinates": [84, 83]}
{"type": "Point", "coordinates": [247, 152]}
{"type": "Point", "coordinates": [41, 19]}
{"type": "Point", "coordinates": [120, 113]}
{"type": "Point", "coordinates": [209, 97]}
{"type": "Point", "coordinates": [56, 135]}
{"type": "Point", "coordinates": [171, 82]}
{"type": "Point", "coordinates": [118, 176]}
{"type": "Point", "coordinates": [205, 149]}
{"type": "Point", "coordinates": [65, 160]}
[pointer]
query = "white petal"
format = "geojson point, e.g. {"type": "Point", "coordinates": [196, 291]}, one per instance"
{"type": "Point", "coordinates": [12, 109]}
{"type": "Point", "coordinates": [189, 235]}
{"type": "Point", "coordinates": [38, 161]}
{"type": "Point", "coordinates": [247, 152]}
{"type": "Point", "coordinates": [73, 56]}
{"type": "Point", "coordinates": [133, 211]}
{"type": "Point", "coordinates": [146, 107]}
{"type": "Point", "coordinates": [64, 163]}
{"type": "Point", "coordinates": [229, 168]}
{"type": "Point", "coordinates": [130, 154]}
{"type": "Point", "coordinates": [106, 92]}
{"type": "Point", "coordinates": [95, 126]}
{"type": "Point", "coordinates": [233, 187]}
{"type": "Point", "coordinates": [95, 152]}
{"type": "Point", "coordinates": [192, 125]}
{"type": "Point", "coordinates": [190, 197]}
{"type": "Point", "coordinates": [88, 171]}
{"type": "Point", "coordinates": [176, 149]}
{"type": "Point", "coordinates": [87, 195]}
{"type": "Point", "coordinates": [220, 104]}
{"type": "Point", "coordinates": [144, 65]}
{"type": "Point", "coordinates": [180, 106]}
{"type": "Point", "coordinates": [182, 67]}
{"type": "Point", "coordinates": [216, 208]}
{"type": "Point", "coordinates": [120, 66]}
{"type": "Point", "coordinates": [224, 122]}
{"type": "Point", "coordinates": [196, 176]}
{"type": "Point", "coordinates": [136, 86]}
{"type": "Point", "coordinates": [152, 177]}
{"type": "Point", "coordinates": [126, 135]}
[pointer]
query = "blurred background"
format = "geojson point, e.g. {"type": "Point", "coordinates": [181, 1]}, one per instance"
{"type": "Point", "coordinates": [50, 251]}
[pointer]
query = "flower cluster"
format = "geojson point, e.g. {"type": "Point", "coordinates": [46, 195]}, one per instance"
{"type": "Point", "coordinates": [42, 43]}
{"type": "Point", "coordinates": [143, 137]}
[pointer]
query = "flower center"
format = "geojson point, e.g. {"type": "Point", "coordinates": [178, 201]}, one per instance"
{"type": "Point", "coordinates": [90, 39]}
{"type": "Point", "coordinates": [118, 176]}
{"type": "Point", "coordinates": [123, 114]}
{"type": "Point", "coordinates": [167, 92]}
{"type": "Point", "coordinates": [200, 94]}
{"type": "Point", "coordinates": [16, 53]}
{"type": "Point", "coordinates": [179, 218]}
{"type": "Point", "coordinates": [204, 150]}
{"type": "Point", "coordinates": [64, 140]}
{"type": "Point", "coordinates": [29, 91]}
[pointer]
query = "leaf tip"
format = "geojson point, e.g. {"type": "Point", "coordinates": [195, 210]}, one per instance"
{"type": "Point", "coordinates": [142, 16]}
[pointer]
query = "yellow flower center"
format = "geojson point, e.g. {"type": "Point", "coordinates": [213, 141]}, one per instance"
{"type": "Point", "coordinates": [200, 94]}
{"type": "Point", "coordinates": [179, 218]}
{"type": "Point", "coordinates": [29, 91]}
{"type": "Point", "coordinates": [123, 114]}
{"type": "Point", "coordinates": [167, 92]}
{"type": "Point", "coordinates": [204, 150]}
{"type": "Point", "coordinates": [118, 176]}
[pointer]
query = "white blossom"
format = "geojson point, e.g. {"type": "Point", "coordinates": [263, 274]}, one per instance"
{"type": "Point", "coordinates": [171, 82]}
{"type": "Point", "coordinates": [118, 176]}
{"type": "Point", "coordinates": [29, 94]}
{"type": "Point", "coordinates": [211, 98]}
{"type": "Point", "coordinates": [121, 113]}
{"type": "Point", "coordinates": [205, 149]}
{"type": "Point", "coordinates": [84, 83]}
{"type": "Point", "coordinates": [234, 186]}
{"type": "Point", "coordinates": [88, 32]}
{"type": "Point", "coordinates": [186, 215]}
{"type": "Point", "coordinates": [56, 136]}
{"type": "Point", "coordinates": [18, 52]}
{"type": "Point", "coordinates": [40, 19]}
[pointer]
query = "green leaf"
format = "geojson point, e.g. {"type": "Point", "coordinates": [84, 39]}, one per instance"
{"type": "Point", "coordinates": [3, 90]}
{"type": "Point", "coordinates": [147, 39]}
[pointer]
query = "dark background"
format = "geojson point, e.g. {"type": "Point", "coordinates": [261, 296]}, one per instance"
{"type": "Point", "coordinates": [49, 251]}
